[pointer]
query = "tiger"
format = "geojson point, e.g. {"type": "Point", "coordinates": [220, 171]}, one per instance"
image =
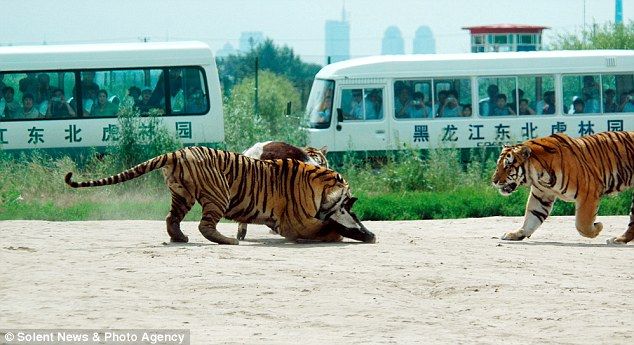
{"type": "Point", "coordinates": [579, 170]}
{"type": "Point", "coordinates": [298, 200]}
{"type": "Point", "coordinates": [281, 150]}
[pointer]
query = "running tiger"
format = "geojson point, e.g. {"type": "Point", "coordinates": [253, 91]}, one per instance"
{"type": "Point", "coordinates": [572, 169]}
{"type": "Point", "coordinates": [299, 201]}
{"type": "Point", "coordinates": [282, 150]}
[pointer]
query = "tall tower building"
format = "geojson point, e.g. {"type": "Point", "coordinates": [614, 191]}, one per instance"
{"type": "Point", "coordinates": [338, 39]}
{"type": "Point", "coordinates": [424, 41]}
{"type": "Point", "coordinates": [249, 40]}
{"type": "Point", "coordinates": [392, 42]}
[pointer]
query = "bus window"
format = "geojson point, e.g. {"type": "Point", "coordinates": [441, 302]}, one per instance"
{"type": "Point", "coordinates": [319, 103]}
{"type": "Point", "coordinates": [452, 95]}
{"type": "Point", "coordinates": [494, 95]}
{"type": "Point", "coordinates": [617, 93]}
{"type": "Point", "coordinates": [362, 104]}
{"type": "Point", "coordinates": [412, 99]}
{"type": "Point", "coordinates": [36, 95]}
{"type": "Point", "coordinates": [195, 94]}
{"type": "Point", "coordinates": [582, 94]}
{"type": "Point", "coordinates": [530, 93]}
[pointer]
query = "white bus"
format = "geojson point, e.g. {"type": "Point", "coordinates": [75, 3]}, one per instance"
{"type": "Point", "coordinates": [66, 97]}
{"type": "Point", "coordinates": [469, 100]}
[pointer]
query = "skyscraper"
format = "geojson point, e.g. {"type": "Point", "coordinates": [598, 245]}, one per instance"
{"type": "Point", "coordinates": [249, 40]}
{"type": "Point", "coordinates": [392, 42]}
{"type": "Point", "coordinates": [338, 39]}
{"type": "Point", "coordinates": [424, 41]}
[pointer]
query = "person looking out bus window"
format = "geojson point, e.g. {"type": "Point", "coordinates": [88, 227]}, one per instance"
{"type": "Point", "coordinates": [417, 108]}
{"type": "Point", "coordinates": [515, 95]}
{"type": "Point", "coordinates": [450, 107]}
{"type": "Point", "coordinates": [525, 108]}
{"type": "Point", "coordinates": [356, 105]}
{"type": "Point", "coordinates": [11, 106]}
{"type": "Point", "coordinates": [578, 106]}
{"type": "Point", "coordinates": [29, 110]}
{"type": "Point", "coordinates": [627, 104]}
{"type": "Point", "coordinates": [103, 107]}
{"type": "Point", "coordinates": [440, 101]}
{"type": "Point", "coordinates": [547, 105]}
{"type": "Point", "coordinates": [44, 92]}
{"type": "Point", "coordinates": [610, 105]}
{"type": "Point", "coordinates": [590, 93]}
{"type": "Point", "coordinates": [488, 104]}
{"type": "Point", "coordinates": [144, 104]}
{"type": "Point", "coordinates": [195, 101]}
{"type": "Point", "coordinates": [402, 102]}
{"type": "Point", "coordinates": [58, 107]}
{"type": "Point", "coordinates": [28, 84]}
{"type": "Point", "coordinates": [467, 110]}
{"type": "Point", "coordinates": [373, 105]}
{"type": "Point", "coordinates": [501, 108]}
{"type": "Point", "coordinates": [133, 97]}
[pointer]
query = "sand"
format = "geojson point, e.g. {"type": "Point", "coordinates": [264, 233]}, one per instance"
{"type": "Point", "coordinates": [447, 282]}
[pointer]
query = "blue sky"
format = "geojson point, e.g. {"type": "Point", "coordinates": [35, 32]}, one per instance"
{"type": "Point", "coordinates": [296, 23]}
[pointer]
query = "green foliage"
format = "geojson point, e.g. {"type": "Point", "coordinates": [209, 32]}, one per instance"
{"type": "Point", "coordinates": [605, 36]}
{"type": "Point", "coordinates": [243, 128]}
{"type": "Point", "coordinates": [279, 60]}
{"type": "Point", "coordinates": [141, 138]}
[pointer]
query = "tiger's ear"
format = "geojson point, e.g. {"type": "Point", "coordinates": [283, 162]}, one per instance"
{"type": "Point", "coordinates": [324, 149]}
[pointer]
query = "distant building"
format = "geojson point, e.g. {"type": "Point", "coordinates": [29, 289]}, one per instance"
{"type": "Point", "coordinates": [226, 50]}
{"type": "Point", "coordinates": [392, 42]}
{"type": "Point", "coordinates": [505, 38]}
{"type": "Point", "coordinates": [338, 39]}
{"type": "Point", "coordinates": [249, 40]}
{"type": "Point", "coordinates": [424, 41]}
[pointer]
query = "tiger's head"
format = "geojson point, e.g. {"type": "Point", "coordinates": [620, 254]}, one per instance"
{"type": "Point", "coordinates": [510, 171]}
{"type": "Point", "coordinates": [317, 155]}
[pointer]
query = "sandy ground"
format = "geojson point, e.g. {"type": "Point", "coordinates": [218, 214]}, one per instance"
{"type": "Point", "coordinates": [450, 281]}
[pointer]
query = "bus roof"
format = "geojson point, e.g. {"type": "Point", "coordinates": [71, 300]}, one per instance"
{"type": "Point", "coordinates": [445, 65]}
{"type": "Point", "coordinates": [121, 55]}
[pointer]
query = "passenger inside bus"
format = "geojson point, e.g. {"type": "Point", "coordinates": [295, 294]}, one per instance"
{"type": "Point", "coordinates": [28, 84]}
{"type": "Point", "coordinates": [515, 95]}
{"type": "Point", "coordinates": [547, 105]}
{"type": "Point", "coordinates": [610, 106]}
{"type": "Point", "coordinates": [488, 104]}
{"type": "Point", "coordinates": [103, 107]}
{"type": "Point", "coordinates": [590, 92]}
{"type": "Point", "coordinates": [450, 107]}
{"type": "Point", "coordinates": [58, 107]}
{"type": "Point", "coordinates": [355, 110]}
{"type": "Point", "coordinates": [501, 108]}
{"type": "Point", "coordinates": [144, 103]}
{"type": "Point", "coordinates": [578, 106]}
{"type": "Point", "coordinates": [525, 108]}
{"type": "Point", "coordinates": [325, 109]}
{"type": "Point", "coordinates": [627, 103]}
{"type": "Point", "coordinates": [11, 107]}
{"type": "Point", "coordinates": [195, 101]}
{"type": "Point", "coordinates": [402, 102]}
{"type": "Point", "coordinates": [44, 92]}
{"type": "Point", "coordinates": [29, 110]}
{"type": "Point", "coordinates": [418, 109]}
{"type": "Point", "coordinates": [373, 105]}
{"type": "Point", "coordinates": [440, 101]}
{"type": "Point", "coordinates": [467, 110]}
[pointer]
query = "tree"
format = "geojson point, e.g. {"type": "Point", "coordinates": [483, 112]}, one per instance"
{"type": "Point", "coordinates": [606, 36]}
{"type": "Point", "coordinates": [243, 128]}
{"type": "Point", "coordinates": [279, 60]}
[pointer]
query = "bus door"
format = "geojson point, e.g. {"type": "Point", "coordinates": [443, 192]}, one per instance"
{"type": "Point", "coordinates": [361, 122]}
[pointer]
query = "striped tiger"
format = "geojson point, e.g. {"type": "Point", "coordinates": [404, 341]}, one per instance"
{"type": "Point", "coordinates": [282, 150]}
{"type": "Point", "coordinates": [298, 200]}
{"type": "Point", "coordinates": [571, 169]}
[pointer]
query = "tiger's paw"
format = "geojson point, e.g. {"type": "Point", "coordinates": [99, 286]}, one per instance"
{"type": "Point", "coordinates": [241, 234]}
{"type": "Point", "coordinates": [514, 236]}
{"type": "Point", "coordinates": [182, 239]}
{"type": "Point", "coordinates": [615, 241]}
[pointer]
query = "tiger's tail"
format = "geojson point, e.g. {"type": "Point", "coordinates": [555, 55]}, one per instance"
{"type": "Point", "coordinates": [134, 172]}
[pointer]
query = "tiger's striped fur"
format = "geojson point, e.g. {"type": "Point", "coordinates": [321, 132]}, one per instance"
{"type": "Point", "coordinates": [282, 150]}
{"type": "Point", "coordinates": [572, 169]}
{"type": "Point", "coordinates": [294, 198]}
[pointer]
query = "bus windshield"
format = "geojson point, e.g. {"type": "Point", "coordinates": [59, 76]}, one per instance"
{"type": "Point", "coordinates": [319, 106]}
